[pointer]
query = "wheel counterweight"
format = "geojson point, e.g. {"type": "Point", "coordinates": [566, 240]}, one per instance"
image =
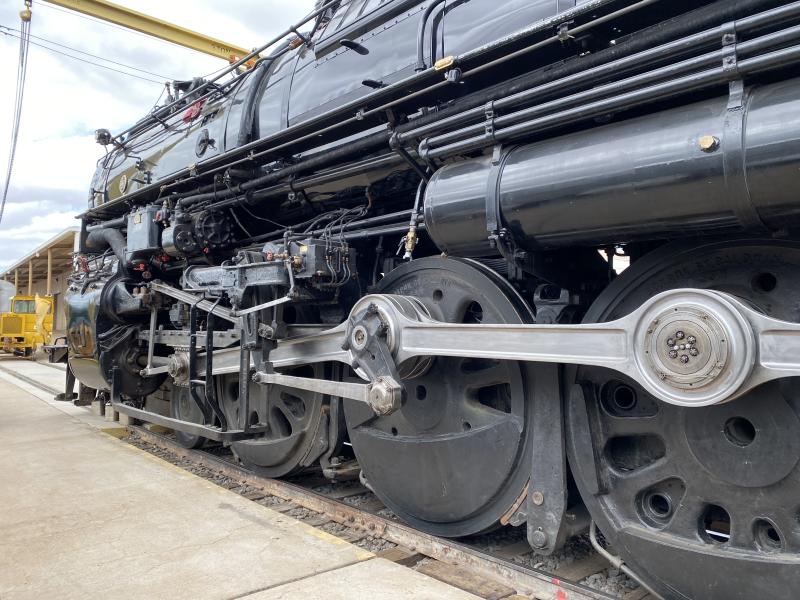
{"type": "Point", "coordinates": [455, 457]}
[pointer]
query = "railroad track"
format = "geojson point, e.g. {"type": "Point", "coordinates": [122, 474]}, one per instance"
{"type": "Point", "coordinates": [497, 565]}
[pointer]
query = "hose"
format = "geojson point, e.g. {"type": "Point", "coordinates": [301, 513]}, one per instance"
{"type": "Point", "coordinates": [617, 562]}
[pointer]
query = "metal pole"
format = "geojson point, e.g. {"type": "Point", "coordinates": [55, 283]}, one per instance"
{"type": "Point", "coordinates": [30, 277]}
{"type": "Point", "coordinates": [49, 271]}
{"type": "Point", "coordinates": [16, 281]}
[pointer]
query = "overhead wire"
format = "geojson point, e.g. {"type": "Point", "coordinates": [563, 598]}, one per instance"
{"type": "Point", "coordinates": [114, 62]}
{"type": "Point", "coordinates": [83, 60]}
{"type": "Point", "coordinates": [22, 70]}
{"type": "Point", "coordinates": [101, 22]}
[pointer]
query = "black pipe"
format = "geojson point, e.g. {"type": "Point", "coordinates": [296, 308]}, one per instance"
{"type": "Point", "coordinates": [463, 110]}
{"type": "Point", "coordinates": [632, 99]}
{"type": "Point", "coordinates": [623, 66]}
{"type": "Point", "coordinates": [420, 66]}
{"type": "Point", "coordinates": [791, 34]}
{"type": "Point", "coordinates": [249, 113]}
{"type": "Point", "coordinates": [118, 222]}
{"type": "Point", "coordinates": [316, 161]}
{"type": "Point", "coordinates": [99, 239]}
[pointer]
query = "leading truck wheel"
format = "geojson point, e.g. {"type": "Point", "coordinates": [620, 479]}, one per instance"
{"type": "Point", "coordinates": [699, 502]}
{"type": "Point", "coordinates": [456, 456]}
{"type": "Point", "coordinates": [297, 423]}
{"type": "Point", "coordinates": [183, 407]}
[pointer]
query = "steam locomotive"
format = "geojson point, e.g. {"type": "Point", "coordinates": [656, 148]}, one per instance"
{"type": "Point", "coordinates": [395, 247]}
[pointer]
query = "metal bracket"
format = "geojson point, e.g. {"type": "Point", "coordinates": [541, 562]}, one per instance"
{"type": "Point", "coordinates": [547, 495]}
{"type": "Point", "coordinates": [493, 194]}
{"type": "Point", "coordinates": [490, 114]}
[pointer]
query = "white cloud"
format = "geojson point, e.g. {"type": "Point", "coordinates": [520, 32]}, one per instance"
{"type": "Point", "coordinates": [66, 100]}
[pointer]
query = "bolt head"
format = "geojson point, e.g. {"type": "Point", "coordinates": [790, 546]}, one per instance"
{"type": "Point", "coordinates": [691, 339]}
{"type": "Point", "coordinates": [538, 539]}
{"type": "Point", "coordinates": [684, 358]}
{"type": "Point", "coordinates": [670, 342]}
{"type": "Point", "coordinates": [680, 335]}
{"type": "Point", "coordinates": [537, 498]}
{"type": "Point", "coordinates": [694, 351]}
{"type": "Point", "coordinates": [673, 354]}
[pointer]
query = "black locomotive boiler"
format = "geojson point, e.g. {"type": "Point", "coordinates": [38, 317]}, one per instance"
{"type": "Point", "coordinates": [397, 242]}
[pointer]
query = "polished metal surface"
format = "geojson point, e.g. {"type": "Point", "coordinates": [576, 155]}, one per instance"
{"type": "Point", "coordinates": [735, 348]}
{"type": "Point", "coordinates": [660, 175]}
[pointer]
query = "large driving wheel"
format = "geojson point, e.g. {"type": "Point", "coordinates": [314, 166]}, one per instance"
{"type": "Point", "coordinates": [456, 456]}
{"type": "Point", "coordinates": [701, 502]}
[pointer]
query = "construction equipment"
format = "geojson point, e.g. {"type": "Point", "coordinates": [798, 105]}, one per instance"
{"type": "Point", "coordinates": [28, 325]}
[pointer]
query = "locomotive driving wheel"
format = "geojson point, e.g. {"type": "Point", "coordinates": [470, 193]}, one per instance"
{"type": "Point", "coordinates": [297, 423]}
{"type": "Point", "coordinates": [700, 502]}
{"type": "Point", "coordinates": [455, 457]}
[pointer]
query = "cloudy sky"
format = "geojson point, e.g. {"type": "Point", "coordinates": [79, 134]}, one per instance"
{"type": "Point", "coordinates": [66, 99]}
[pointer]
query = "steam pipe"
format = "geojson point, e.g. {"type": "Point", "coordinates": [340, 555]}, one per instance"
{"type": "Point", "coordinates": [100, 239]}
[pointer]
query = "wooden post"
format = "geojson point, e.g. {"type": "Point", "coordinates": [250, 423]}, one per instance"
{"type": "Point", "coordinates": [30, 277]}
{"type": "Point", "coordinates": [16, 281]}
{"type": "Point", "coordinates": [49, 271]}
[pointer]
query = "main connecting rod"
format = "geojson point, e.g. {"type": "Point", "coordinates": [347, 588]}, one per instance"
{"type": "Point", "coordinates": [688, 347]}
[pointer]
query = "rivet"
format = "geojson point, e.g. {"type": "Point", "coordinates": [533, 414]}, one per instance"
{"type": "Point", "coordinates": [537, 498]}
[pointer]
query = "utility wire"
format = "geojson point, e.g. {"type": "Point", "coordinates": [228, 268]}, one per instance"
{"type": "Point", "coordinates": [113, 62]}
{"type": "Point", "coordinates": [60, 53]}
{"type": "Point", "coordinates": [22, 70]}
{"type": "Point", "coordinates": [100, 22]}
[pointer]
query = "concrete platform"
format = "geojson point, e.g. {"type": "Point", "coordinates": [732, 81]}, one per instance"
{"type": "Point", "coordinates": [49, 375]}
{"type": "Point", "coordinates": [87, 516]}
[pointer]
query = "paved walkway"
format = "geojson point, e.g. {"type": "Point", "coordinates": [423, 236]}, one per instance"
{"type": "Point", "coordinates": [87, 516]}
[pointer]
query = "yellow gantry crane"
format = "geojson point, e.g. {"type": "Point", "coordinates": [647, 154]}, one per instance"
{"type": "Point", "coordinates": [131, 19]}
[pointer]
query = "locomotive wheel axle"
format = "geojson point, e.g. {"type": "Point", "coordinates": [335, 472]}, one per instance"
{"type": "Point", "coordinates": [687, 347]}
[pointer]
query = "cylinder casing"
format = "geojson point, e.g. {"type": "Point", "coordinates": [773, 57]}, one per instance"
{"type": "Point", "coordinates": [708, 167]}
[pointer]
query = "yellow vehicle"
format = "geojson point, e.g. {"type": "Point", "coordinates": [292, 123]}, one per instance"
{"type": "Point", "coordinates": [28, 325]}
